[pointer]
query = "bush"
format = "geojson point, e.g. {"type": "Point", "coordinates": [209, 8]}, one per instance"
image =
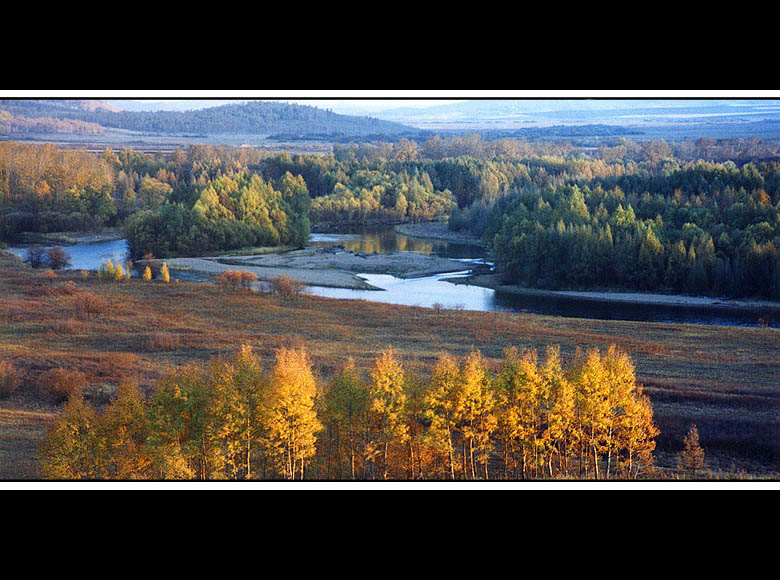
{"type": "Point", "coordinates": [247, 278]}
{"type": "Point", "coordinates": [9, 379]}
{"type": "Point", "coordinates": [236, 279]}
{"type": "Point", "coordinates": [115, 367]}
{"type": "Point", "coordinates": [69, 288]}
{"type": "Point", "coordinates": [69, 326]}
{"type": "Point", "coordinates": [61, 384]}
{"type": "Point", "coordinates": [163, 341]}
{"type": "Point", "coordinates": [285, 286]}
{"type": "Point", "coordinates": [35, 256]}
{"type": "Point", "coordinates": [88, 306]}
{"type": "Point", "coordinates": [57, 258]}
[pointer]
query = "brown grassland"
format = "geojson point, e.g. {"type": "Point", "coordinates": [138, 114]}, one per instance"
{"type": "Point", "coordinates": [726, 380]}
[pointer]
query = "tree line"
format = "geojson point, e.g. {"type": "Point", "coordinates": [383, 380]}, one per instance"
{"type": "Point", "coordinates": [637, 215]}
{"type": "Point", "coordinates": [702, 229]}
{"type": "Point", "coordinates": [464, 419]}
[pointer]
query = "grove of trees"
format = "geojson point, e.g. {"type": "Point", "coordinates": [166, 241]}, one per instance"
{"type": "Point", "coordinates": [520, 418]}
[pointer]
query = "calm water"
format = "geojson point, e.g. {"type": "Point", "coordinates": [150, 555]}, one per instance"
{"type": "Point", "coordinates": [385, 241]}
{"type": "Point", "coordinates": [89, 256]}
{"type": "Point", "coordinates": [435, 290]}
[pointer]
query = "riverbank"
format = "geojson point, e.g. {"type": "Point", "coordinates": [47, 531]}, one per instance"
{"type": "Point", "coordinates": [71, 238]}
{"type": "Point", "coordinates": [494, 282]}
{"type": "Point", "coordinates": [332, 267]}
{"type": "Point", "coordinates": [438, 231]}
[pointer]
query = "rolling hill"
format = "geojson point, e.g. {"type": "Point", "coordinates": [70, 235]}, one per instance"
{"type": "Point", "coordinates": [246, 118]}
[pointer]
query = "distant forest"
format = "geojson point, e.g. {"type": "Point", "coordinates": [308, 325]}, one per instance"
{"type": "Point", "coordinates": [245, 118]}
{"type": "Point", "coordinates": [696, 217]}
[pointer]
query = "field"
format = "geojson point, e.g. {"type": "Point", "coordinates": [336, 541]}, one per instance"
{"type": "Point", "coordinates": [726, 380]}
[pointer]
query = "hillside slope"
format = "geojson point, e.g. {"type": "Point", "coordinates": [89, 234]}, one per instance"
{"type": "Point", "coordinates": [251, 118]}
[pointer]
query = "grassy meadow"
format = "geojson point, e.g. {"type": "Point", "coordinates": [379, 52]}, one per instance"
{"type": "Point", "coordinates": [726, 380]}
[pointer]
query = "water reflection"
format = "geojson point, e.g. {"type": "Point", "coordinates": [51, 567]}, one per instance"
{"type": "Point", "coordinates": [579, 308]}
{"type": "Point", "coordinates": [88, 256]}
{"type": "Point", "coordinates": [385, 241]}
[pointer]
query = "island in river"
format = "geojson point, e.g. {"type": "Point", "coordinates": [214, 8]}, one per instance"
{"type": "Point", "coordinates": [329, 267]}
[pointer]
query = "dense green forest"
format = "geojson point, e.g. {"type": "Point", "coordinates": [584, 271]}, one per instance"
{"type": "Point", "coordinates": [695, 217]}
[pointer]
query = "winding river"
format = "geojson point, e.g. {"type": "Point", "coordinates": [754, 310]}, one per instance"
{"type": "Point", "coordinates": [435, 291]}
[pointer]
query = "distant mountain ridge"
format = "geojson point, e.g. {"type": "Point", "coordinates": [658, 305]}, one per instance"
{"type": "Point", "coordinates": [583, 111]}
{"type": "Point", "coordinates": [250, 118]}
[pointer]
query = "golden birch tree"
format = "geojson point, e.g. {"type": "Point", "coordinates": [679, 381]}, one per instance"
{"type": "Point", "coordinates": [346, 408]}
{"type": "Point", "coordinates": [124, 430]}
{"type": "Point", "coordinates": [386, 407]}
{"type": "Point", "coordinates": [290, 417]}
{"type": "Point", "coordinates": [441, 405]}
{"type": "Point", "coordinates": [70, 449]}
{"type": "Point", "coordinates": [475, 413]}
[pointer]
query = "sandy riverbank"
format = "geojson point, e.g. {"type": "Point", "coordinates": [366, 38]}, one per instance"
{"type": "Point", "coordinates": [330, 267]}
{"type": "Point", "coordinates": [437, 231]}
{"type": "Point", "coordinates": [675, 300]}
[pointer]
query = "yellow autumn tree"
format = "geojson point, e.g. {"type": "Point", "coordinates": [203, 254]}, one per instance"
{"type": "Point", "coordinates": [165, 274]}
{"type": "Point", "coordinates": [386, 408]}
{"type": "Point", "coordinates": [346, 408]}
{"type": "Point", "coordinates": [442, 402]}
{"type": "Point", "coordinates": [235, 426]}
{"type": "Point", "coordinates": [290, 417]}
{"type": "Point", "coordinates": [475, 413]}
{"type": "Point", "coordinates": [560, 434]}
{"type": "Point", "coordinates": [594, 414]}
{"type": "Point", "coordinates": [518, 388]}
{"type": "Point", "coordinates": [70, 449]}
{"type": "Point", "coordinates": [630, 425]}
{"type": "Point", "coordinates": [179, 442]}
{"type": "Point", "coordinates": [123, 430]}
{"type": "Point", "coordinates": [147, 273]}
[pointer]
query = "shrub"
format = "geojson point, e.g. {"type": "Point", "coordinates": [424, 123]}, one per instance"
{"type": "Point", "coordinates": [149, 262]}
{"type": "Point", "coordinates": [57, 258]}
{"type": "Point", "coordinates": [69, 326]}
{"type": "Point", "coordinates": [247, 278]}
{"type": "Point", "coordinates": [285, 286]}
{"type": "Point", "coordinates": [691, 458]}
{"type": "Point", "coordinates": [226, 279]}
{"type": "Point", "coordinates": [236, 279]}
{"type": "Point", "coordinates": [35, 256]}
{"type": "Point", "coordinates": [107, 271]}
{"type": "Point", "coordinates": [62, 384]}
{"type": "Point", "coordinates": [163, 341]}
{"type": "Point", "coordinates": [116, 366]}
{"type": "Point", "coordinates": [9, 378]}
{"type": "Point", "coordinates": [88, 306]}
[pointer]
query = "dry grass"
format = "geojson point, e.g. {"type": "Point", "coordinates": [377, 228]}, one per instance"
{"type": "Point", "coordinates": [726, 380]}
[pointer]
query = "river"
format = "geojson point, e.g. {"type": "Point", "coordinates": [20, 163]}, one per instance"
{"type": "Point", "coordinates": [435, 291]}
